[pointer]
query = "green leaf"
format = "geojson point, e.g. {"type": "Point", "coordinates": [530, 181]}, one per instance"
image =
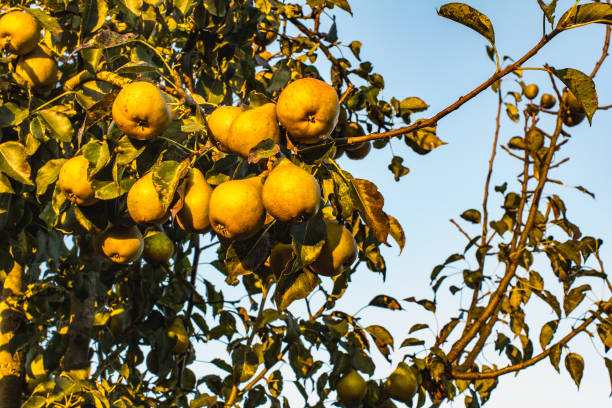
{"type": "Point", "coordinates": [94, 16]}
{"type": "Point", "coordinates": [555, 356]}
{"type": "Point", "coordinates": [582, 86]}
{"type": "Point", "coordinates": [308, 239]}
{"type": "Point", "coordinates": [424, 140]}
{"type": "Point", "coordinates": [411, 105]}
{"type": "Point", "coordinates": [216, 7]}
{"type": "Point", "coordinates": [14, 163]}
{"type": "Point", "coordinates": [575, 365]}
{"type": "Point", "coordinates": [136, 67]}
{"type": "Point", "coordinates": [58, 123]}
{"type": "Point", "coordinates": [11, 114]}
{"type": "Point", "coordinates": [382, 339]}
{"type": "Point", "coordinates": [246, 256]}
{"type": "Point", "coordinates": [295, 286]}
{"type": "Point", "coordinates": [469, 17]}
{"type": "Point", "coordinates": [280, 78]}
{"type": "Point", "coordinates": [48, 174]}
{"type": "Point", "coordinates": [107, 39]}
{"type": "Point", "coordinates": [98, 155]}
{"type": "Point", "coordinates": [386, 302]}
{"type": "Point", "coordinates": [126, 151]}
{"type": "Point", "coordinates": [547, 333]}
{"type": "Point", "coordinates": [587, 13]}
{"type": "Point", "coordinates": [108, 190]}
{"type": "Point", "coordinates": [574, 298]}
{"type": "Point", "coordinates": [5, 186]}
{"type": "Point", "coordinates": [427, 304]}
{"type": "Point", "coordinates": [549, 10]}
{"type": "Point", "coordinates": [166, 178]}
{"type": "Point", "coordinates": [412, 341]}
{"type": "Point", "coordinates": [397, 168]}
{"type": "Point", "coordinates": [472, 216]}
{"type": "Point", "coordinates": [355, 47]}
{"type": "Point", "coordinates": [397, 232]}
{"type": "Point", "coordinates": [48, 22]}
{"type": "Point", "coordinates": [263, 150]}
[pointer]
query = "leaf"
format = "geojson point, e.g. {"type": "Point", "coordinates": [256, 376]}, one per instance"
{"type": "Point", "coordinates": [469, 17]}
{"type": "Point", "coordinates": [5, 187]}
{"type": "Point", "coordinates": [547, 333]}
{"type": "Point", "coordinates": [397, 232]}
{"type": "Point", "coordinates": [94, 16]}
{"type": "Point", "coordinates": [411, 341]}
{"type": "Point", "coordinates": [417, 327]}
{"type": "Point", "coordinates": [397, 168]}
{"type": "Point", "coordinates": [382, 339]}
{"type": "Point", "coordinates": [263, 150]}
{"type": "Point", "coordinates": [411, 105]}
{"type": "Point", "coordinates": [98, 155]}
{"type": "Point", "coordinates": [549, 10]}
{"type": "Point", "coordinates": [308, 239]}
{"type": "Point", "coordinates": [386, 302]}
{"type": "Point", "coordinates": [512, 112]}
{"type": "Point", "coordinates": [136, 67]}
{"type": "Point", "coordinates": [575, 365]}
{"type": "Point", "coordinates": [343, 4]}
{"type": "Point", "coordinates": [472, 216]}
{"type": "Point", "coordinates": [11, 114]}
{"type": "Point", "coordinates": [106, 39]}
{"type": "Point", "coordinates": [424, 140]}
{"type": "Point", "coordinates": [48, 174]}
{"type": "Point", "coordinates": [203, 400]}
{"type": "Point", "coordinates": [332, 35]}
{"type": "Point", "coordinates": [48, 22]}
{"type": "Point", "coordinates": [58, 123]}
{"type": "Point", "coordinates": [369, 202]}
{"type": "Point", "coordinates": [295, 286]}
{"type": "Point", "coordinates": [585, 14]}
{"type": "Point", "coordinates": [582, 86]}
{"type": "Point", "coordinates": [246, 256]}
{"type": "Point", "coordinates": [355, 47]}
{"type": "Point", "coordinates": [166, 177]}
{"type": "Point", "coordinates": [14, 163]}
{"type": "Point", "coordinates": [427, 304]}
{"type": "Point", "coordinates": [280, 78]}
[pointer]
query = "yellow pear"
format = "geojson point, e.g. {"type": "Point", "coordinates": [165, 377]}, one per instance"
{"type": "Point", "coordinates": [19, 32]}
{"type": "Point", "coordinates": [338, 252]}
{"type": "Point", "coordinates": [140, 111]}
{"type": "Point", "coordinates": [219, 123]}
{"type": "Point", "coordinates": [143, 202]}
{"type": "Point", "coordinates": [351, 388]}
{"type": "Point", "coordinates": [236, 208]}
{"type": "Point", "coordinates": [308, 109]}
{"type": "Point", "coordinates": [121, 245]}
{"type": "Point", "coordinates": [194, 214]}
{"type": "Point", "coordinates": [158, 248]}
{"type": "Point", "coordinates": [38, 68]}
{"type": "Point", "coordinates": [73, 181]}
{"type": "Point", "coordinates": [547, 101]}
{"type": "Point", "coordinates": [177, 331]}
{"type": "Point", "coordinates": [290, 193]}
{"type": "Point", "coordinates": [531, 91]}
{"type": "Point", "coordinates": [402, 384]}
{"type": "Point", "coordinates": [251, 127]}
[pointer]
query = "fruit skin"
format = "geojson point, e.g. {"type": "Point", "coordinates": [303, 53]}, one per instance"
{"type": "Point", "coordinates": [308, 109]}
{"type": "Point", "coordinates": [251, 127]}
{"type": "Point", "coordinates": [236, 208]}
{"type": "Point", "coordinates": [402, 384]}
{"type": "Point", "coordinates": [121, 245]}
{"type": "Point", "coordinates": [338, 252]}
{"type": "Point", "coordinates": [290, 193]}
{"type": "Point", "coordinates": [38, 68]}
{"type": "Point", "coordinates": [547, 101]}
{"type": "Point", "coordinates": [19, 32]}
{"type": "Point", "coordinates": [534, 139]}
{"type": "Point", "coordinates": [352, 130]}
{"type": "Point", "coordinates": [143, 202]}
{"type": "Point", "coordinates": [158, 248]}
{"type": "Point", "coordinates": [177, 331]}
{"type": "Point", "coordinates": [572, 113]}
{"type": "Point", "coordinates": [531, 91]}
{"type": "Point", "coordinates": [361, 152]}
{"type": "Point", "coordinates": [140, 111]}
{"type": "Point", "coordinates": [219, 123]}
{"type": "Point", "coordinates": [194, 216]}
{"type": "Point", "coordinates": [73, 181]}
{"type": "Point", "coordinates": [351, 388]}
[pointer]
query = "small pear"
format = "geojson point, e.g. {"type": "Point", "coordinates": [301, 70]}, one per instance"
{"type": "Point", "coordinates": [143, 202]}
{"type": "Point", "coordinates": [236, 209]}
{"type": "Point", "coordinates": [361, 152]}
{"type": "Point", "coordinates": [351, 388]}
{"type": "Point", "coordinates": [73, 181]}
{"type": "Point", "coordinates": [338, 252]}
{"type": "Point", "coordinates": [121, 245]}
{"type": "Point", "coordinates": [402, 383]}
{"type": "Point", "coordinates": [573, 113]}
{"type": "Point", "coordinates": [219, 123]}
{"type": "Point", "coordinates": [158, 248]}
{"type": "Point", "coordinates": [194, 216]}
{"type": "Point", "coordinates": [251, 127]}
{"type": "Point", "coordinates": [290, 193]}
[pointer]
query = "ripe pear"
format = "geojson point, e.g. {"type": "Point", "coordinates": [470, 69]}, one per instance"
{"type": "Point", "coordinates": [338, 252]}
{"type": "Point", "coordinates": [143, 202]}
{"type": "Point", "coordinates": [121, 245]}
{"type": "Point", "coordinates": [194, 215]}
{"type": "Point", "coordinates": [290, 193]}
{"type": "Point", "coordinates": [402, 383]}
{"type": "Point", "coordinates": [140, 111]}
{"type": "Point", "coordinates": [219, 123]}
{"type": "Point", "coordinates": [19, 32]}
{"type": "Point", "coordinates": [37, 68]}
{"type": "Point", "coordinates": [547, 101]}
{"type": "Point", "coordinates": [361, 152]}
{"type": "Point", "coordinates": [351, 388]}
{"type": "Point", "coordinates": [531, 91]}
{"type": "Point", "coordinates": [251, 127]}
{"type": "Point", "coordinates": [236, 208]}
{"type": "Point", "coordinates": [308, 109]}
{"type": "Point", "coordinates": [73, 181]}
{"type": "Point", "coordinates": [158, 248]}
{"type": "Point", "coordinates": [177, 331]}
{"type": "Point", "coordinates": [572, 112]}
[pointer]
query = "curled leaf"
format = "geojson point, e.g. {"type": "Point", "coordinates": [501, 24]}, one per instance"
{"type": "Point", "coordinates": [469, 17]}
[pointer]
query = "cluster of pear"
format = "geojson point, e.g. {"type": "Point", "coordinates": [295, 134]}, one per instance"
{"type": "Point", "coordinates": [307, 109]}
{"type": "Point", "coordinates": [345, 129]}
{"type": "Point", "coordinates": [572, 112]}
{"type": "Point", "coordinates": [401, 385]}
{"type": "Point", "coordinates": [20, 34]}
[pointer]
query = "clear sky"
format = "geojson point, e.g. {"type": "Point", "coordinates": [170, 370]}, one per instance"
{"type": "Point", "coordinates": [421, 54]}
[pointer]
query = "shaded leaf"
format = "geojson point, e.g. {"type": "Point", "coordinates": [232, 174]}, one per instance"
{"type": "Point", "coordinates": [246, 256]}
{"type": "Point", "coordinates": [397, 168]}
{"type": "Point", "coordinates": [469, 17]}
{"type": "Point", "coordinates": [574, 298]}
{"type": "Point", "coordinates": [609, 367]}
{"type": "Point", "coordinates": [417, 327]}
{"type": "Point", "coordinates": [549, 10]}
{"type": "Point", "coordinates": [355, 47]}
{"type": "Point", "coordinates": [308, 239]}
{"type": "Point", "coordinates": [48, 22]}
{"type": "Point", "coordinates": [48, 174]}
{"type": "Point", "coordinates": [582, 86]}
{"type": "Point", "coordinates": [382, 339]}
{"type": "Point", "coordinates": [555, 356]}
{"type": "Point", "coordinates": [166, 177]}
{"type": "Point", "coordinates": [94, 16]}
{"type": "Point", "coordinates": [107, 39]}
{"type": "Point", "coordinates": [295, 286]}
{"type": "Point", "coordinates": [397, 232]}
{"type": "Point", "coordinates": [386, 302]}
{"type": "Point", "coordinates": [369, 202]}
{"type": "Point", "coordinates": [547, 333]}
{"type": "Point", "coordinates": [14, 163]}
{"type": "Point", "coordinates": [427, 304]}
{"type": "Point", "coordinates": [472, 216]}
{"type": "Point", "coordinates": [5, 187]}
{"type": "Point", "coordinates": [98, 155]}
{"type": "Point", "coordinates": [575, 365]}
{"type": "Point", "coordinates": [424, 140]}
{"type": "Point", "coordinates": [263, 150]}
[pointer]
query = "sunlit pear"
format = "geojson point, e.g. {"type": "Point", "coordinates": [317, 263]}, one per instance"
{"type": "Point", "coordinates": [251, 127]}
{"type": "Point", "coordinates": [177, 331]}
{"type": "Point", "coordinates": [339, 251]}
{"type": "Point", "coordinates": [547, 101]}
{"type": "Point", "coordinates": [158, 248]}
{"type": "Point", "coordinates": [531, 91]}
{"type": "Point", "coordinates": [402, 383]}
{"type": "Point", "coordinates": [361, 152]}
{"type": "Point", "coordinates": [236, 208]}
{"type": "Point", "coordinates": [140, 111]}
{"type": "Point", "coordinates": [120, 244]}
{"type": "Point", "coordinates": [308, 109]}
{"type": "Point", "coordinates": [194, 216]}
{"type": "Point", "coordinates": [38, 68]}
{"type": "Point", "coordinates": [143, 203]}
{"type": "Point", "coordinates": [219, 122]}
{"type": "Point", "coordinates": [351, 388]}
{"type": "Point", "coordinates": [290, 193]}
{"type": "Point", "coordinates": [73, 181]}
{"type": "Point", "coordinates": [572, 113]}
{"type": "Point", "coordinates": [19, 32]}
